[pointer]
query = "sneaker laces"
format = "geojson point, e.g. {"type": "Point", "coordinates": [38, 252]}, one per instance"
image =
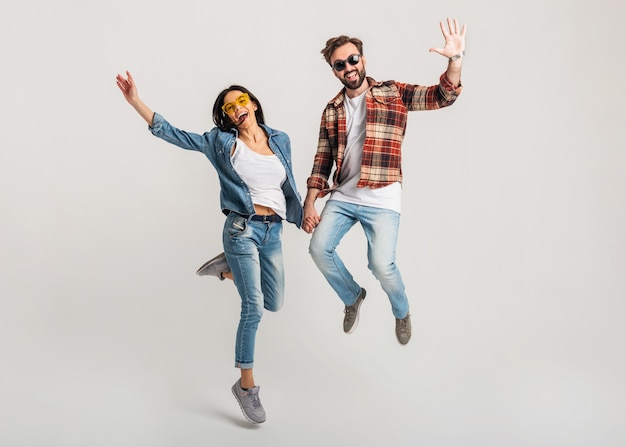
{"type": "Point", "coordinates": [256, 402]}
{"type": "Point", "coordinates": [402, 325]}
{"type": "Point", "coordinates": [350, 310]}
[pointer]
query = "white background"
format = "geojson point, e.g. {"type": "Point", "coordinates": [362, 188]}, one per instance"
{"type": "Point", "coordinates": [512, 239]}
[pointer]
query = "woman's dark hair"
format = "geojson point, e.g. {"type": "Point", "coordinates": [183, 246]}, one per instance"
{"type": "Point", "coordinates": [222, 120]}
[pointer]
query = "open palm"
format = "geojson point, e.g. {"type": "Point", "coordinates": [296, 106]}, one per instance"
{"type": "Point", "coordinates": [455, 39]}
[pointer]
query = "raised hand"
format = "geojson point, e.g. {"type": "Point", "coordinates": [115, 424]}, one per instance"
{"type": "Point", "coordinates": [455, 39]}
{"type": "Point", "coordinates": [128, 87]}
{"type": "Point", "coordinates": [129, 90]}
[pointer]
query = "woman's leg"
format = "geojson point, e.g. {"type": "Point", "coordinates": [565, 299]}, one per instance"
{"type": "Point", "coordinates": [247, 378]}
{"type": "Point", "coordinates": [272, 267]}
{"type": "Point", "coordinates": [241, 241]}
{"type": "Point", "coordinates": [272, 280]}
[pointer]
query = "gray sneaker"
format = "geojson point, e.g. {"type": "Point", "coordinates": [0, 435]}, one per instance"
{"type": "Point", "coordinates": [351, 317]}
{"type": "Point", "coordinates": [403, 329]}
{"type": "Point", "coordinates": [249, 402]}
{"type": "Point", "coordinates": [215, 267]}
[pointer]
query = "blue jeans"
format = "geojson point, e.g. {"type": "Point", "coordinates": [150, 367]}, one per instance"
{"type": "Point", "coordinates": [381, 230]}
{"type": "Point", "coordinates": [254, 253]}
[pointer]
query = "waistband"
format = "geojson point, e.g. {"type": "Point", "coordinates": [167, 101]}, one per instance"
{"type": "Point", "coordinates": [266, 218]}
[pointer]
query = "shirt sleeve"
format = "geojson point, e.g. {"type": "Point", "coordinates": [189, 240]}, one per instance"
{"type": "Point", "coordinates": [323, 161]}
{"type": "Point", "coordinates": [186, 140]}
{"type": "Point", "coordinates": [419, 97]}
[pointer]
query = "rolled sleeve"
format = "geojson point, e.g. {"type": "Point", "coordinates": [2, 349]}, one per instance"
{"type": "Point", "coordinates": [448, 87]}
{"type": "Point", "coordinates": [157, 124]}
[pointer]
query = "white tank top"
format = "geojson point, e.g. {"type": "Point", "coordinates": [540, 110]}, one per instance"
{"type": "Point", "coordinates": [264, 175]}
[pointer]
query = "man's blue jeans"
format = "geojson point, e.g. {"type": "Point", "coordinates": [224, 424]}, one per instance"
{"type": "Point", "coordinates": [381, 230]}
{"type": "Point", "coordinates": [254, 253]}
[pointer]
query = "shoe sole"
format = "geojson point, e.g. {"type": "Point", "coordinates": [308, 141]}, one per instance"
{"type": "Point", "coordinates": [208, 263]}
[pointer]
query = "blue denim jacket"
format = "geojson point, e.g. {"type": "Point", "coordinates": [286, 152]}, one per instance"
{"type": "Point", "coordinates": [216, 145]}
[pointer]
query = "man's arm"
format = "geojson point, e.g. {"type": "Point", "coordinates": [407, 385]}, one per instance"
{"type": "Point", "coordinates": [454, 71]}
{"type": "Point", "coordinates": [318, 180]}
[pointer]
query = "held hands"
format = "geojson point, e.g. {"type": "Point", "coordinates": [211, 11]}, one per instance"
{"type": "Point", "coordinates": [455, 39]}
{"type": "Point", "coordinates": [311, 218]}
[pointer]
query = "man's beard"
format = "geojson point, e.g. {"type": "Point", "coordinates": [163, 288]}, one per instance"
{"type": "Point", "coordinates": [354, 84]}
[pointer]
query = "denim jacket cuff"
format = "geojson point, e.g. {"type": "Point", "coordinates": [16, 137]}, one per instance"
{"type": "Point", "coordinates": [157, 123]}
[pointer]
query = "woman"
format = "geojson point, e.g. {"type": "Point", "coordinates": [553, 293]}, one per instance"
{"type": "Point", "coordinates": [258, 191]}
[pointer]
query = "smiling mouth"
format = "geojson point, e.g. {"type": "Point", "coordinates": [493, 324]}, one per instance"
{"type": "Point", "coordinates": [352, 76]}
{"type": "Point", "coordinates": [241, 117]}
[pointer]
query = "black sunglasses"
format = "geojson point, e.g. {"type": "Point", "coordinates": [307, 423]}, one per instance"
{"type": "Point", "coordinates": [340, 65]}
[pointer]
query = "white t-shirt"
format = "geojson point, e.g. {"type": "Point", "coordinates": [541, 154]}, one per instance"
{"type": "Point", "coordinates": [388, 197]}
{"type": "Point", "coordinates": [264, 175]}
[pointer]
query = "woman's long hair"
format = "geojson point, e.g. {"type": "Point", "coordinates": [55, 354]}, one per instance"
{"type": "Point", "coordinates": [222, 120]}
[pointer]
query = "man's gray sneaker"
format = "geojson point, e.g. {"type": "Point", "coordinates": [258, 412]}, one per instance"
{"type": "Point", "coordinates": [351, 317]}
{"type": "Point", "coordinates": [403, 329]}
{"type": "Point", "coordinates": [249, 402]}
{"type": "Point", "coordinates": [215, 267]}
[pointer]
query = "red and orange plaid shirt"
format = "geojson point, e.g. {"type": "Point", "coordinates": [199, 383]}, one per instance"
{"type": "Point", "coordinates": [388, 104]}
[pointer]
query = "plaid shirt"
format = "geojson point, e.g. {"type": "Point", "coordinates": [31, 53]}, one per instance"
{"type": "Point", "coordinates": [388, 104]}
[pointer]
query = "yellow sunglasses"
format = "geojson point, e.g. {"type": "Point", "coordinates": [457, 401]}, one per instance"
{"type": "Point", "coordinates": [242, 100]}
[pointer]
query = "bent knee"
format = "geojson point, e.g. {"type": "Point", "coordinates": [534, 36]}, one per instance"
{"type": "Point", "coordinates": [315, 250]}
{"type": "Point", "coordinates": [382, 269]}
{"type": "Point", "coordinates": [273, 302]}
{"type": "Point", "coordinates": [273, 307]}
{"type": "Point", "coordinates": [319, 249]}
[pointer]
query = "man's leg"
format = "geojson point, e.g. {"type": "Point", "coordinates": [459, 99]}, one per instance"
{"type": "Point", "coordinates": [336, 219]}
{"type": "Point", "coordinates": [381, 230]}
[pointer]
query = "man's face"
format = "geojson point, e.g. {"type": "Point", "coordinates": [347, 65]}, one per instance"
{"type": "Point", "coordinates": [352, 76]}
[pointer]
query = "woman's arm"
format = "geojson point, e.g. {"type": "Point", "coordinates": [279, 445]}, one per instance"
{"type": "Point", "coordinates": [158, 125]}
{"type": "Point", "coordinates": [129, 89]}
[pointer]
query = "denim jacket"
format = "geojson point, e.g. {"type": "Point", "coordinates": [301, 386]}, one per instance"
{"type": "Point", "coordinates": [216, 145]}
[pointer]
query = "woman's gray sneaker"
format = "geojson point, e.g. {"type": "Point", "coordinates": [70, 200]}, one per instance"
{"type": "Point", "coordinates": [249, 402]}
{"type": "Point", "coordinates": [215, 267]}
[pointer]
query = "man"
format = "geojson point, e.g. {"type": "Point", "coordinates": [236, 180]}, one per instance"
{"type": "Point", "coordinates": [361, 134]}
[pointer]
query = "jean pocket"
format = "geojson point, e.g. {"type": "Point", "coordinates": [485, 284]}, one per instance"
{"type": "Point", "coordinates": [237, 225]}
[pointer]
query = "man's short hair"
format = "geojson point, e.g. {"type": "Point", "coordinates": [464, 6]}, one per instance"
{"type": "Point", "coordinates": [335, 42]}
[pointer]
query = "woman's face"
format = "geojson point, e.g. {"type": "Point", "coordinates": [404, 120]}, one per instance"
{"type": "Point", "coordinates": [239, 108]}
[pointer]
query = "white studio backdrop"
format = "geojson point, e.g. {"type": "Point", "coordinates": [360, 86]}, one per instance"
{"type": "Point", "coordinates": [512, 244]}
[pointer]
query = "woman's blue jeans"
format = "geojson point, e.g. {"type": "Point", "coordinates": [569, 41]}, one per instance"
{"type": "Point", "coordinates": [381, 230]}
{"type": "Point", "coordinates": [254, 253]}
